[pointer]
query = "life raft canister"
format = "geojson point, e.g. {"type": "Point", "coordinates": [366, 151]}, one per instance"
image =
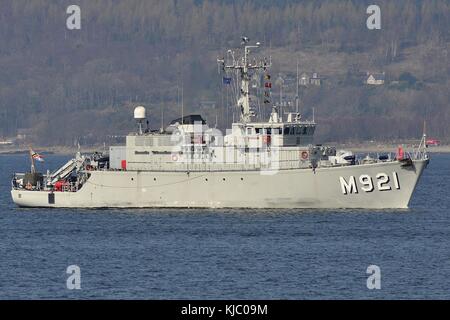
{"type": "Point", "coordinates": [304, 155]}
{"type": "Point", "coordinates": [59, 185]}
{"type": "Point", "coordinates": [400, 153]}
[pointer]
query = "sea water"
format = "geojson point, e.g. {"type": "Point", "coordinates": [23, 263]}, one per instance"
{"type": "Point", "coordinates": [226, 254]}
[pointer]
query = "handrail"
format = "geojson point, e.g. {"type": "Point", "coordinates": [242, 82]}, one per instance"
{"type": "Point", "coordinates": [421, 152]}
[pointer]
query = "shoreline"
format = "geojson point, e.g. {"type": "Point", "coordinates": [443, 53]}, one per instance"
{"type": "Point", "coordinates": [389, 148]}
{"type": "Point", "coordinates": [57, 150]}
{"type": "Point", "coordinates": [357, 148]}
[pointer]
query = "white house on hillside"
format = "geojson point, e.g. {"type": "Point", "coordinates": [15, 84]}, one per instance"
{"type": "Point", "coordinates": [306, 79]}
{"type": "Point", "coordinates": [375, 78]}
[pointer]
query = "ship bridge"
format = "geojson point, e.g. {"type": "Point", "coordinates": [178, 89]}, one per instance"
{"type": "Point", "coordinates": [275, 132]}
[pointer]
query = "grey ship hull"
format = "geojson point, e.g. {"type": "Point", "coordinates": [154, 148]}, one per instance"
{"type": "Point", "coordinates": [326, 187]}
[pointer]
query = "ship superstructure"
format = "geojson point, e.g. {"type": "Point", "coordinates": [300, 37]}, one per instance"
{"type": "Point", "coordinates": [255, 164]}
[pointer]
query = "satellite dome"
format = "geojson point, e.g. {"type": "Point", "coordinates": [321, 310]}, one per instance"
{"type": "Point", "coordinates": [139, 113]}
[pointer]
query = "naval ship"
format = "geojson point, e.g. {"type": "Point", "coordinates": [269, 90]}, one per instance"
{"type": "Point", "coordinates": [258, 163]}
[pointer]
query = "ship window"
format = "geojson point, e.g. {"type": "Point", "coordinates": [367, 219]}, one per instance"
{"type": "Point", "coordinates": [269, 131]}
{"type": "Point", "coordinates": [286, 130]}
{"type": "Point", "coordinates": [305, 130]}
{"type": "Point", "coordinates": [139, 142]}
{"type": "Point", "coordinates": [249, 130]}
{"type": "Point", "coordinates": [258, 130]}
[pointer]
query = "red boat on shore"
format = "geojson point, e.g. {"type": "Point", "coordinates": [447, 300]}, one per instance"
{"type": "Point", "coordinates": [433, 142]}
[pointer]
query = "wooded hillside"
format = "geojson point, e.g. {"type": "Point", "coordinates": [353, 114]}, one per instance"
{"type": "Point", "coordinates": [60, 86]}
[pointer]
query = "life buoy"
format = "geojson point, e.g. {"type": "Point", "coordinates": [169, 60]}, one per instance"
{"type": "Point", "coordinates": [304, 155]}
{"type": "Point", "coordinates": [266, 139]}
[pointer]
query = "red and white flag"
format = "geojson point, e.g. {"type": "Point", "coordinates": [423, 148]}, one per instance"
{"type": "Point", "coordinates": [36, 156]}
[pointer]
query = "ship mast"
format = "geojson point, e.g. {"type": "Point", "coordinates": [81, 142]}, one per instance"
{"type": "Point", "coordinates": [243, 65]}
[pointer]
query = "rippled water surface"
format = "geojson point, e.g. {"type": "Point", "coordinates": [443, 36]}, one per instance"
{"type": "Point", "coordinates": [227, 254]}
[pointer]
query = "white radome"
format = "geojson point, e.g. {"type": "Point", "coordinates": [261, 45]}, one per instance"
{"type": "Point", "coordinates": [139, 113]}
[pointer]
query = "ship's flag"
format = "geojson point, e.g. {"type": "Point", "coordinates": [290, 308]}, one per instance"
{"type": "Point", "coordinates": [36, 156]}
{"type": "Point", "coordinates": [226, 80]}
